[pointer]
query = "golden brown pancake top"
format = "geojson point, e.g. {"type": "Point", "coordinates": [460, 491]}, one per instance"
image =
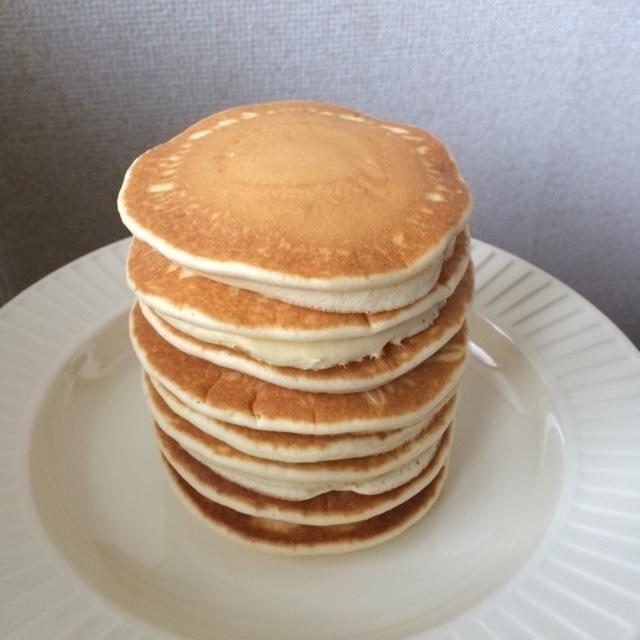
{"type": "Point", "coordinates": [299, 188]}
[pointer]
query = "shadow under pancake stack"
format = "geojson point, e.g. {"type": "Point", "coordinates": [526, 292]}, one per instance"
{"type": "Point", "coordinates": [302, 277]}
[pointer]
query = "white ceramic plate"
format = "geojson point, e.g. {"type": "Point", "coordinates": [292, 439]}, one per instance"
{"type": "Point", "coordinates": [536, 535]}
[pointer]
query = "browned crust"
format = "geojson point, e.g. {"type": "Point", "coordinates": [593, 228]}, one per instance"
{"type": "Point", "coordinates": [233, 391]}
{"type": "Point", "coordinates": [153, 276]}
{"type": "Point", "coordinates": [287, 440]}
{"type": "Point", "coordinates": [277, 533]}
{"type": "Point", "coordinates": [326, 197]}
{"type": "Point", "coordinates": [394, 356]}
{"type": "Point", "coordinates": [333, 503]}
{"type": "Point", "coordinates": [219, 448]}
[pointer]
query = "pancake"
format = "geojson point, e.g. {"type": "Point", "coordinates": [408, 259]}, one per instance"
{"type": "Point", "coordinates": [234, 397]}
{"type": "Point", "coordinates": [299, 539]}
{"type": "Point", "coordinates": [182, 295]}
{"type": "Point", "coordinates": [314, 356]}
{"type": "Point", "coordinates": [387, 298]}
{"type": "Point", "coordinates": [217, 454]}
{"type": "Point", "coordinates": [290, 447]}
{"type": "Point", "coordinates": [305, 202]}
{"type": "Point", "coordinates": [367, 373]}
{"type": "Point", "coordinates": [331, 508]}
{"type": "Point", "coordinates": [298, 491]}
{"type": "Point", "coordinates": [302, 274]}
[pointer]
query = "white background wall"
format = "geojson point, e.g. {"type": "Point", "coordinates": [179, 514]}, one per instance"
{"type": "Point", "coordinates": [538, 100]}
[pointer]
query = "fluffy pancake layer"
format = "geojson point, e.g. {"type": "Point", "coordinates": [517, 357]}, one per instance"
{"type": "Point", "coordinates": [278, 536]}
{"type": "Point", "coordinates": [234, 397]}
{"type": "Point", "coordinates": [288, 447]}
{"type": "Point", "coordinates": [396, 358]}
{"type": "Point", "coordinates": [204, 304]}
{"type": "Point", "coordinates": [329, 508]}
{"type": "Point", "coordinates": [334, 473]}
{"type": "Point", "coordinates": [303, 202]}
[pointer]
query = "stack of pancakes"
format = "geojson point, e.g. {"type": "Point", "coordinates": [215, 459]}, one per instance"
{"type": "Point", "coordinates": [302, 277]}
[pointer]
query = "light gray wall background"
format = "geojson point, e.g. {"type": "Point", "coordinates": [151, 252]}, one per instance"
{"type": "Point", "coordinates": [538, 100]}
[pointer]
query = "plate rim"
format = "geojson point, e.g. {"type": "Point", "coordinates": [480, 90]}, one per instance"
{"type": "Point", "coordinates": [102, 269]}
